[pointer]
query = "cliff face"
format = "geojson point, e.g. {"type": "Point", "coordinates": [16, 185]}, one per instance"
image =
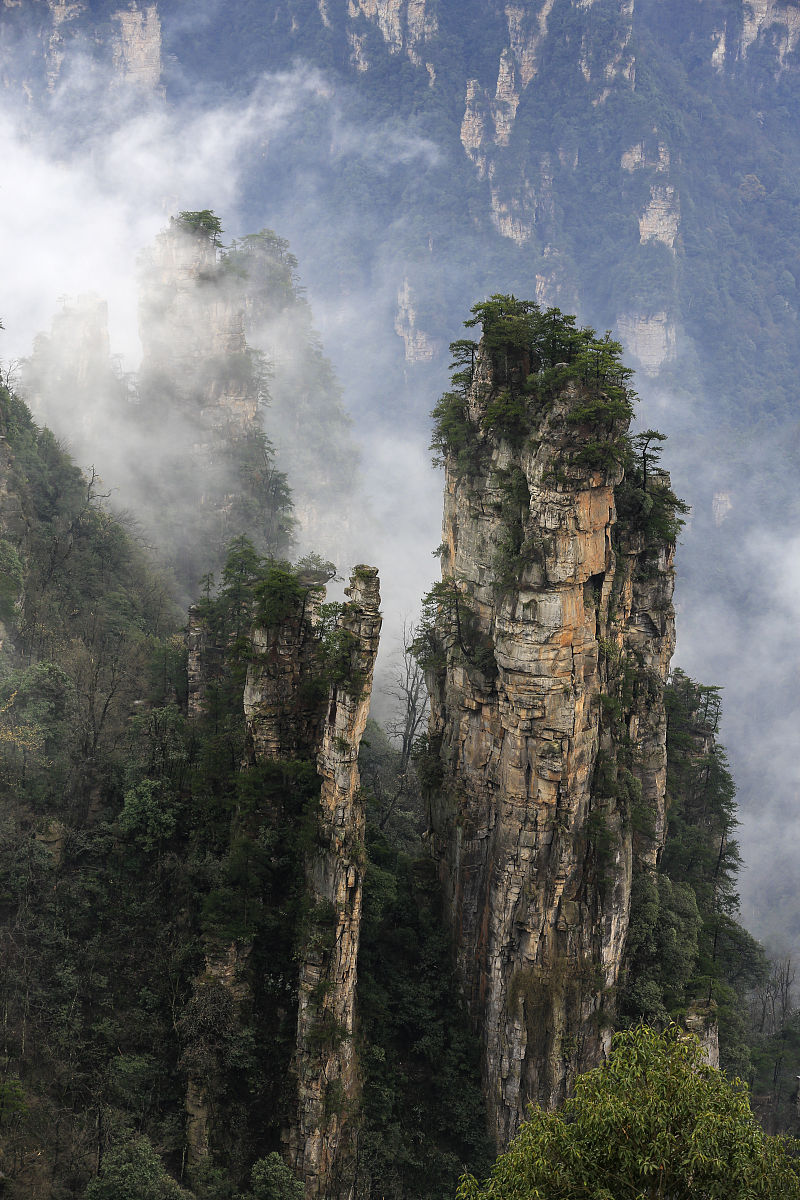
{"type": "Point", "coordinates": [419, 347]}
{"type": "Point", "coordinates": [548, 721]}
{"type": "Point", "coordinates": [306, 701]}
{"type": "Point", "coordinates": [404, 25]}
{"type": "Point", "coordinates": [322, 1143]}
{"type": "Point", "coordinates": [137, 49]}
{"type": "Point", "coordinates": [192, 330]}
{"type": "Point", "coordinates": [321, 1138]}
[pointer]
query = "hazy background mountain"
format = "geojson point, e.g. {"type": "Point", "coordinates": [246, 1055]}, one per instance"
{"type": "Point", "coordinates": [631, 161]}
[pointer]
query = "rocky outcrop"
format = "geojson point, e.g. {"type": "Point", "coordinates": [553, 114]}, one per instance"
{"type": "Point", "coordinates": [555, 633]}
{"type": "Point", "coordinates": [719, 40]}
{"type": "Point", "coordinates": [137, 48]}
{"type": "Point", "coordinates": [419, 346]}
{"type": "Point", "coordinates": [661, 219]}
{"type": "Point", "coordinates": [721, 505]}
{"type": "Point", "coordinates": [403, 24]}
{"type": "Point", "coordinates": [775, 23]}
{"type": "Point", "coordinates": [651, 338]}
{"type": "Point", "coordinates": [135, 45]}
{"type": "Point", "coordinates": [700, 1020]}
{"type": "Point", "coordinates": [617, 62]}
{"type": "Point", "coordinates": [281, 725]}
{"type": "Point", "coordinates": [62, 13]}
{"type": "Point", "coordinates": [639, 156]}
{"type": "Point", "coordinates": [489, 119]}
{"type": "Point", "coordinates": [306, 701]}
{"type": "Point", "coordinates": [322, 1142]}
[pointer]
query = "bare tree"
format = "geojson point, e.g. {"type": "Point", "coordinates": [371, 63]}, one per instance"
{"type": "Point", "coordinates": [9, 373]}
{"type": "Point", "coordinates": [411, 697]}
{"type": "Point", "coordinates": [407, 690]}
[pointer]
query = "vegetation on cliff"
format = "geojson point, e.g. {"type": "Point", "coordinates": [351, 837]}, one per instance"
{"type": "Point", "coordinates": [505, 389]}
{"type": "Point", "coordinates": [686, 943]}
{"type": "Point", "coordinates": [534, 356]}
{"type": "Point", "coordinates": [136, 847]}
{"type": "Point", "coordinates": [132, 844]}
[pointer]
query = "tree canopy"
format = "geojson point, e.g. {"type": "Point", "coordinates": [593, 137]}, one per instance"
{"type": "Point", "coordinates": [654, 1121]}
{"type": "Point", "coordinates": [204, 224]}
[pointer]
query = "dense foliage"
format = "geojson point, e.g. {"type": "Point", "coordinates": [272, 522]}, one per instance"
{"type": "Point", "coordinates": [94, 967]}
{"type": "Point", "coordinates": [424, 1115]}
{"type": "Point", "coordinates": [685, 941]}
{"type": "Point", "coordinates": [133, 845]}
{"type": "Point", "coordinates": [654, 1121]}
{"type": "Point", "coordinates": [530, 359]}
{"type": "Point", "coordinates": [533, 357]}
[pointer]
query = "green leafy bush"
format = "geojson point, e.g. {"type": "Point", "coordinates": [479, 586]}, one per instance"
{"type": "Point", "coordinates": [654, 1121]}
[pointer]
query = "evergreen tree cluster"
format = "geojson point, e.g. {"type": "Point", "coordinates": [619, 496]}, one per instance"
{"type": "Point", "coordinates": [686, 943]}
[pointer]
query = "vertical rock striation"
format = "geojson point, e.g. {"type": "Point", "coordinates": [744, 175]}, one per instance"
{"type": "Point", "coordinates": [520, 193]}
{"type": "Point", "coordinates": [551, 646]}
{"type": "Point", "coordinates": [322, 1142]}
{"type": "Point", "coordinates": [283, 725]}
{"type": "Point", "coordinates": [137, 49]}
{"type": "Point", "coordinates": [419, 346]}
{"type": "Point", "coordinates": [650, 337]}
{"type": "Point", "coordinates": [306, 701]}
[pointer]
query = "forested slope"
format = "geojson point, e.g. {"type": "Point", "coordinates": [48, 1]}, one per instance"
{"type": "Point", "coordinates": [144, 847]}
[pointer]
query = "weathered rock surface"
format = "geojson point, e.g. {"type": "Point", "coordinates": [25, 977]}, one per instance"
{"type": "Point", "coordinates": [403, 24]}
{"type": "Point", "coordinates": [321, 1138]}
{"type": "Point", "coordinates": [419, 346]}
{"type": "Point", "coordinates": [322, 1142]}
{"type": "Point", "coordinates": [651, 338]}
{"type": "Point", "coordinates": [661, 218]}
{"type": "Point", "coordinates": [516, 198]}
{"type": "Point", "coordinates": [295, 711]}
{"type": "Point", "coordinates": [776, 23]}
{"type": "Point", "coordinates": [532, 824]}
{"type": "Point", "coordinates": [137, 49]}
{"type": "Point", "coordinates": [701, 1020]}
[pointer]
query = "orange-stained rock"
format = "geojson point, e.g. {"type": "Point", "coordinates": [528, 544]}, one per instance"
{"type": "Point", "coordinates": [533, 830]}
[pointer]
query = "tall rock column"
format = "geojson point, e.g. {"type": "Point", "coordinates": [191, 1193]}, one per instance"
{"type": "Point", "coordinates": [546, 661]}
{"type": "Point", "coordinates": [203, 388]}
{"type": "Point", "coordinates": [281, 724]}
{"type": "Point", "coordinates": [306, 699]}
{"type": "Point", "coordinates": [327, 1068]}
